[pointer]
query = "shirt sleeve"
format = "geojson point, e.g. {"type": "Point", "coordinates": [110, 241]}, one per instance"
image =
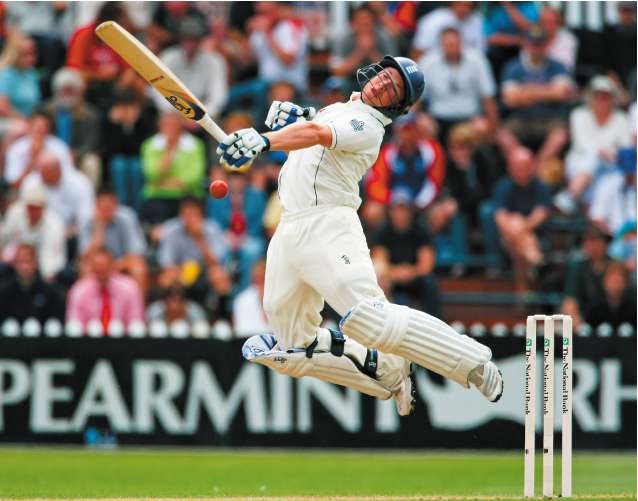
{"type": "Point", "coordinates": [166, 254]}
{"type": "Point", "coordinates": [85, 233]}
{"type": "Point", "coordinates": [424, 38]}
{"type": "Point", "coordinates": [135, 305]}
{"type": "Point", "coordinates": [572, 280]}
{"type": "Point", "coordinates": [500, 195]}
{"type": "Point", "coordinates": [134, 238]}
{"type": "Point", "coordinates": [53, 247]}
{"type": "Point", "coordinates": [78, 48]}
{"type": "Point", "coordinates": [15, 162]}
{"type": "Point", "coordinates": [354, 135]}
{"type": "Point", "coordinates": [511, 75]}
{"type": "Point", "coordinates": [487, 86]}
{"type": "Point", "coordinates": [544, 196]}
{"type": "Point", "coordinates": [291, 38]}
{"type": "Point", "coordinates": [217, 85]}
{"type": "Point", "coordinates": [5, 83]}
{"type": "Point", "coordinates": [74, 306]}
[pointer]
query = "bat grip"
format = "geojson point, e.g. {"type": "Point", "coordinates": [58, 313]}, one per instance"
{"type": "Point", "coordinates": [307, 111]}
{"type": "Point", "coordinates": [207, 123]}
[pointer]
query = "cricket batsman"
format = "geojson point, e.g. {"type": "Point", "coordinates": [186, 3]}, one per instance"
{"type": "Point", "coordinates": [319, 252]}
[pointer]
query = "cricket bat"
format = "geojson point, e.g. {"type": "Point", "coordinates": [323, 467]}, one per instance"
{"type": "Point", "coordinates": [156, 73]}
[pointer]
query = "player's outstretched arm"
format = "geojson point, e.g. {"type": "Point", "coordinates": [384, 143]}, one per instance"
{"type": "Point", "coordinates": [243, 146]}
{"type": "Point", "coordinates": [299, 136]}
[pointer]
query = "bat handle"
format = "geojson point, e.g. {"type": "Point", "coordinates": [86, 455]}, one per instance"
{"type": "Point", "coordinates": [307, 111]}
{"type": "Point", "coordinates": [207, 123]}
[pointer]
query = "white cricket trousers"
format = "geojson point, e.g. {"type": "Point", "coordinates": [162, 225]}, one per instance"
{"type": "Point", "coordinates": [315, 255]}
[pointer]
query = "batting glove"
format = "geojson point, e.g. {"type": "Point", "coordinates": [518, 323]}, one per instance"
{"type": "Point", "coordinates": [242, 147]}
{"type": "Point", "coordinates": [286, 113]}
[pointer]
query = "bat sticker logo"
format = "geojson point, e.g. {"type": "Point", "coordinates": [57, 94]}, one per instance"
{"type": "Point", "coordinates": [185, 107]}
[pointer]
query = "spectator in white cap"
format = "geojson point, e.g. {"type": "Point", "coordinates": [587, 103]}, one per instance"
{"type": "Point", "coordinates": [598, 130]}
{"type": "Point", "coordinates": [69, 192]}
{"type": "Point", "coordinates": [75, 121]}
{"type": "Point", "coordinates": [28, 220]}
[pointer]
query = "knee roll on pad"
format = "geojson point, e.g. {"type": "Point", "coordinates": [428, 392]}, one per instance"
{"type": "Point", "coordinates": [326, 366]}
{"type": "Point", "coordinates": [417, 336]}
{"type": "Point", "coordinates": [376, 323]}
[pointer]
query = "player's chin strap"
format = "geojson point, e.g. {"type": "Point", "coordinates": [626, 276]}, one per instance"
{"type": "Point", "coordinates": [331, 366]}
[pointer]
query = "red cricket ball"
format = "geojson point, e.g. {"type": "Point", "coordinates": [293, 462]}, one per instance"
{"type": "Point", "coordinates": [218, 189]}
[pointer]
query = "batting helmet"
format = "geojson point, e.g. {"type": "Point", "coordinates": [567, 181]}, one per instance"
{"type": "Point", "coordinates": [411, 74]}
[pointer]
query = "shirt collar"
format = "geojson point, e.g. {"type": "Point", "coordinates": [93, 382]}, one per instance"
{"type": "Point", "coordinates": [528, 65]}
{"type": "Point", "coordinates": [358, 103]}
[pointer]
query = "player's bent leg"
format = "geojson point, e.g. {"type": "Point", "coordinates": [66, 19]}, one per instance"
{"type": "Point", "coordinates": [336, 359]}
{"type": "Point", "coordinates": [425, 340]}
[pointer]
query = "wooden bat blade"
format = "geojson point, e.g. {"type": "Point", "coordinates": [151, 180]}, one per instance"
{"type": "Point", "coordinates": [152, 69]}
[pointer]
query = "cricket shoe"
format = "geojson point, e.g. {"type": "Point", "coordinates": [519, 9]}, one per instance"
{"type": "Point", "coordinates": [488, 380]}
{"type": "Point", "coordinates": [405, 396]}
{"type": "Point", "coordinates": [395, 373]}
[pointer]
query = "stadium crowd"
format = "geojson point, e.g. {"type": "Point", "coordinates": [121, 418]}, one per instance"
{"type": "Point", "coordinates": [519, 162]}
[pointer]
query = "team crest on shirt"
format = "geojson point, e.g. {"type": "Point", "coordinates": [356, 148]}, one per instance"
{"type": "Point", "coordinates": [357, 125]}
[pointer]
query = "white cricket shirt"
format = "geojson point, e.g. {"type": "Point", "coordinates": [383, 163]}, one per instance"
{"type": "Point", "coordinates": [322, 176]}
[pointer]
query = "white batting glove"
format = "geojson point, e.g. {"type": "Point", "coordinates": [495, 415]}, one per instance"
{"type": "Point", "coordinates": [285, 113]}
{"type": "Point", "coordinates": [241, 147]}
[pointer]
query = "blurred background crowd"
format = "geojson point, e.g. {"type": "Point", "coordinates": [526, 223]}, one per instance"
{"type": "Point", "coordinates": [510, 188]}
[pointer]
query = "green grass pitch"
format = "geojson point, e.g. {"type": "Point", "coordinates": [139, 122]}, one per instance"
{"type": "Point", "coordinates": [171, 473]}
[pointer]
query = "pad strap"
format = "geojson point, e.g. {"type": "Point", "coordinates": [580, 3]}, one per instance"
{"type": "Point", "coordinates": [370, 365]}
{"type": "Point", "coordinates": [311, 348]}
{"type": "Point", "coordinates": [338, 341]}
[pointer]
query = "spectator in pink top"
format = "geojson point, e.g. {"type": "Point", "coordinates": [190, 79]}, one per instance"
{"type": "Point", "coordinates": [104, 295]}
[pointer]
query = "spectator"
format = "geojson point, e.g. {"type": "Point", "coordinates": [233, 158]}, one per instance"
{"type": "Point", "coordinates": [116, 228]}
{"type": "Point", "coordinates": [101, 67]}
{"type": "Point", "coordinates": [536, 90]}
{"type": "Point", "coordinates": [173, 306]}
{"type": "Point", "coordinates": [22, 155]}
{"type": "Point", "coordinates": [28, 220]}
{"type": "Point", "coordinates": [365, 43]}
{"type": "Point", "coordinates": [69, 192]}
{"type": "Point", "coordinates": [239, 215]}
{"type": "Point", "coordinates": [20, 92]}
{"type": "Point", "coordinates": [104, 295]}
{"type": "Point", "coordinates": [277, 91]}
{"type": "Point", "coordinates": [623, 247]}
{"type": "Point", "coordinates": [192, 251]}
{"type": "Point", "coordinates": [461, 16]}
{"type": "Point", "coordinates": [43, 22]}
{"type": "Point", "coordinates": [521, 204]}
{"type": "Point", "coordinates": [404, 250]}
{"type": "Point", "coordinates": [167, 19]}
{"type": "Point", "coordinates": [505, 26]}
{"type": "Point", "coordinates": [470, 175]}
{"type": "Point", "coordinates": [619, 41]}
{"type": "Point", "coordinates": [614, 197]}
{"type": "Point", "coordinates": [584, 279]}
{"type": "Point", "coordinates": [410, 162]}
{"type": "Point", "coordinates": [203, 72]}
{"type": "Point", "coordinates": [25, 295]}
{"type": "Point", "coordinates": [461, 86]}
{"type": "Point", "coordinates": [248, 313]}
{"type": "Point", "coordinates": [562, 45]}
{"type": "Point", "coordinates": [598, 130]}
{"type": "Point", "coordinates": [76, 122]}
{"type": "Point", "coordinates": [280, 44]}
{"type": "Point", "coordinates": [128, 124]}
{"type": "Point", "coordinates": [174, 165]}
{"type": "Point", "coordinates": [334, 90]}
{"type": "Point", "coordinates": [617, 305]}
